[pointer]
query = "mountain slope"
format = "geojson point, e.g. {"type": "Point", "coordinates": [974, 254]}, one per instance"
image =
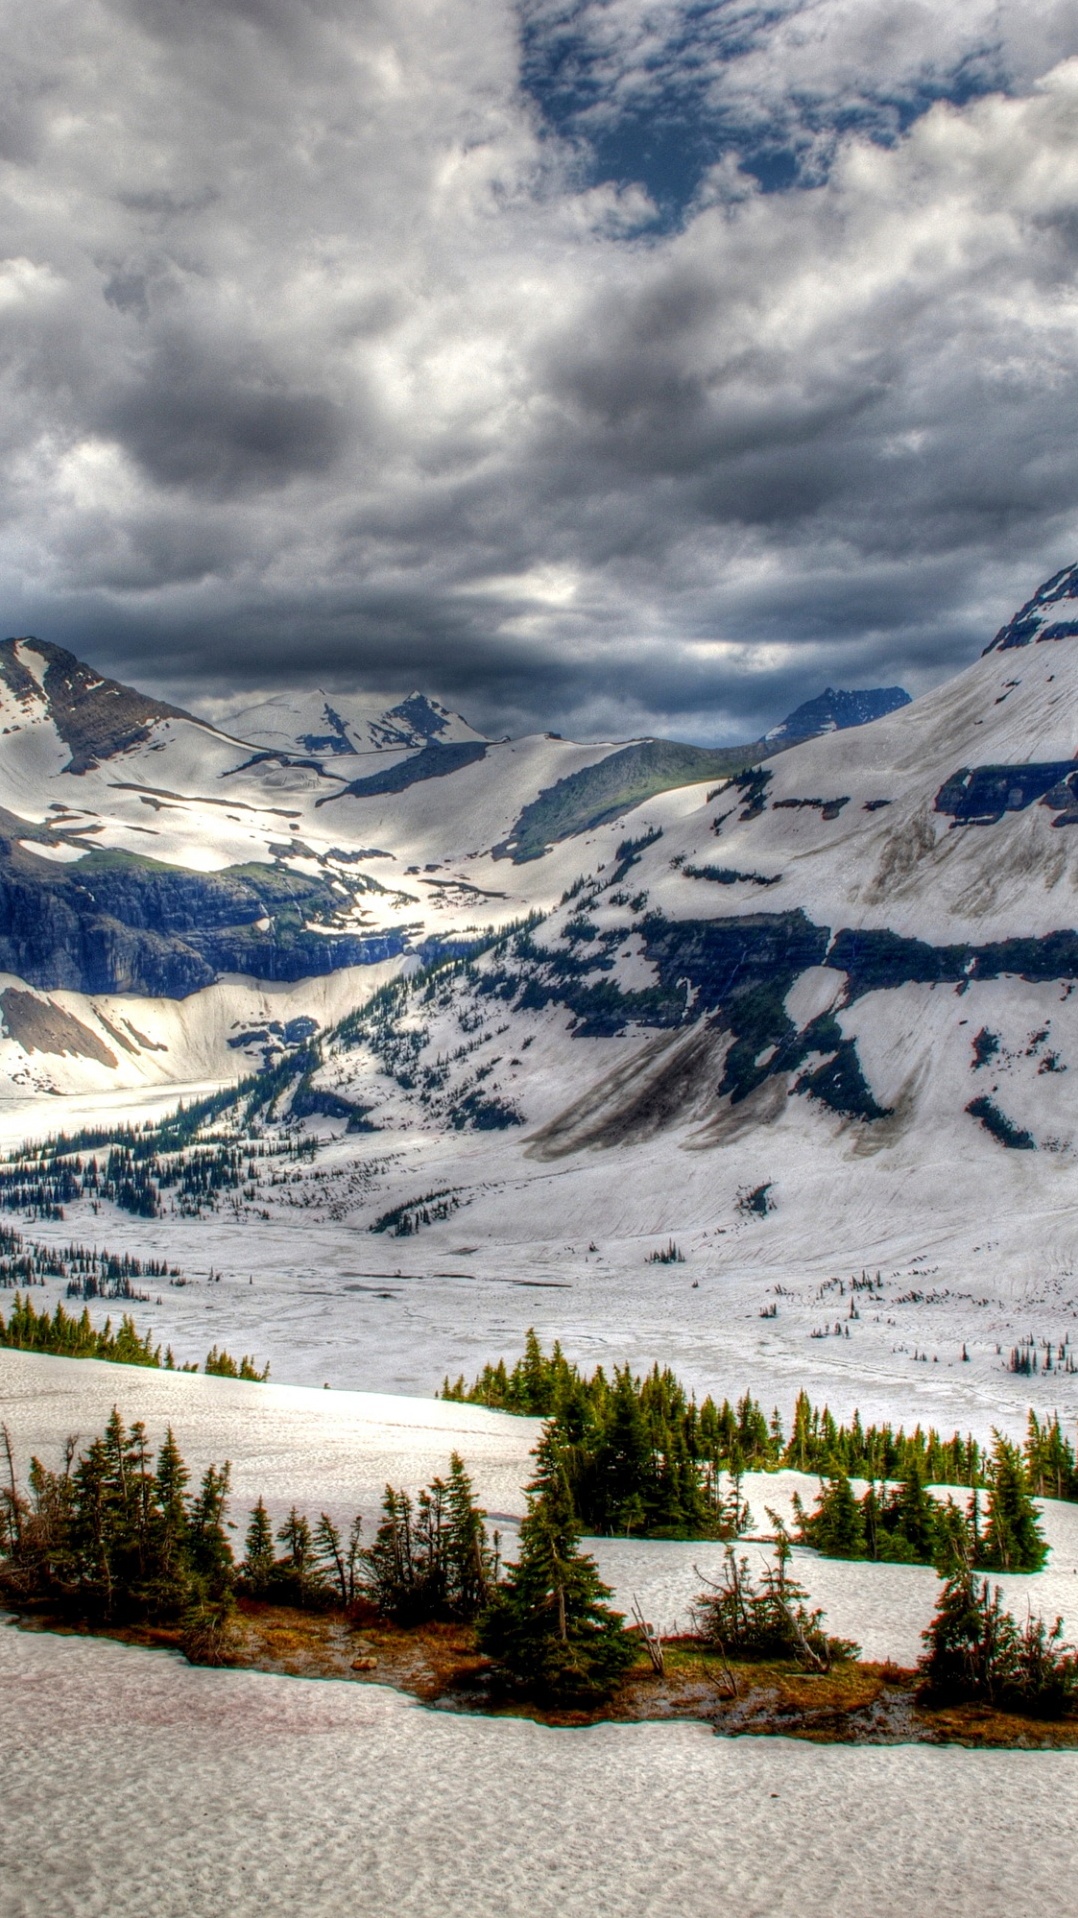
{"type": "Point", "coordinates": [95, 718]}
{"type": "Point", "coordinates": [794, 1057]}
{"type": "Point", "coordinates": [319, 723]}
{"type": "Point", "coordinates": [146, 852]}
{"type": "Point", "coordinates": [828, 973]}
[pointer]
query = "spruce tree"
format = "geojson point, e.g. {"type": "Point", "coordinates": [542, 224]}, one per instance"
{"type": "Point", "coordinates": [296, 1570]}
{"type": "Point", "coordinates": [955, 1547]}
{"type": "Point", "coordinates": [912, 1515]}
{"type": "Point", "coordinates": [1012, 1540]}
{"type": "Point", "coordinates": [470, 1563]}
{"type": "Point", "coordinates": [971, 1643]}
{"type": "Point", "coordinates": [258, 1554]}
{"type": "Point", "coordinates": [625, 1466]}
{"type": "Point", "coordinates": [390, 1561]}
{"type": "Point", "coordinates": [170, 1493]}
{"type": "Point", "coordinates": [549, 1625]}
{"type": "Point", "coordinates": [330, 1554]}
{"type": "Point", "coordinates": [836, 1527]}
{"type": "Point", "coordinates": [210, 1551]}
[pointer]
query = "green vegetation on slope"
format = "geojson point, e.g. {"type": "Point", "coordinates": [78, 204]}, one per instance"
{"type": "Point", "coordinates": [64, 1336]}
{"type": "Point", "coordinates": [615, 785]}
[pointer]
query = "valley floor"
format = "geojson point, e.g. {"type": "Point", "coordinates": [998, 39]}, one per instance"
{"type": "Point", "coordinates": [866, 1284]}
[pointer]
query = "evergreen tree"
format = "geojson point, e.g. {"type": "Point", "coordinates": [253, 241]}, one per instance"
{"type": "Point", "coordinates": [1050, 1459]}
{"type": "Point", "coordinates": [390, 1562]}
{"type": "Point", "coordinates": [168, 1527]}
{"type": "Point", "coordinates": [912, 1517]}
{"type": "Point", "coordinates": [210, 1551]}
{"type": "Point", "coordinates": [258, 1555]}
{"type": "Point", "coordinates": [624, 1480]}
{"type": "Point", "coordinates": [549, 1625]}
{"type": "Point", "coordinates": [471, 1565]}
{"type": "Point", "coordinates": [971, 1642]}
{"type": "Point", "coordinates": [1012, 1540]}
{"type": "Point", "coordinates": [337, 1557]}
{"type": "Point", "coordinates": [836, 1527]}
{"type": "Point", "coordinates": [296, 1571]}
{"type": "Point", "coordinates": [955, 1549]}
{"type": "Point", "coordinates": [800, 1451]}
{"type": "Point", "coordinates": [113, 1536]}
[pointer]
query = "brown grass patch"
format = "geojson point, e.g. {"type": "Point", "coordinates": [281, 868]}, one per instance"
{"type": "Point", "coordinates": [439, 1665]}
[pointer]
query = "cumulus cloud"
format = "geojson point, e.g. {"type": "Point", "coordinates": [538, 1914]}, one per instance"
{"type": "Point", "coordinates": [324, 356]}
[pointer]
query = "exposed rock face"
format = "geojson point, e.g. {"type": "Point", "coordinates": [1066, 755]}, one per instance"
{"type": "Point", "coordinates": [1040, 617]}
{"type": "Point", "coordinates": [95, 717]}
{"type": "Point", "coordinates": [113, 923]}
{"type": "Point", "coordinates": [833, 712]}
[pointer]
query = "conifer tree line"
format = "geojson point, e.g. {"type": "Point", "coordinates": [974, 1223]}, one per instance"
{"type": "Point", "coordinates": [903, 1524]}
{"type": "Point", "coordinates": [64, 1335]}
{"type": "Point", "coordinates": [119, 1535]}
{"type": "Point", "coordinates": [140, 1167]}
{"type": "Point", "coordinates": [644, 1458]}
{"type": "Point", "coordinates": [90, 1273]}
{"type": "Point", "coordinates": [116, 1535]}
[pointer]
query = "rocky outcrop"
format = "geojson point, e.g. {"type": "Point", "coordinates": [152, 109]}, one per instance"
{"type": "Point", "coordinates": [1038, 618]}
{"type": "Point", "coordinates": [114, 923]}
{"type": "Point", "coordinates": [95, 717]}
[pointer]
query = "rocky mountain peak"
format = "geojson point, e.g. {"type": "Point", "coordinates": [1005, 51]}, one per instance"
{"type": "Point", "coordinates": [832, 711]}
{"type": "Point", "coordinates": [94, 716]}
{"type": "Point", "coordinates": [1038, 618]}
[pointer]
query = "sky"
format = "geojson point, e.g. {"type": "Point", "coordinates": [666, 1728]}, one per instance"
{"type": "Point", "coordinates": [602, 365]}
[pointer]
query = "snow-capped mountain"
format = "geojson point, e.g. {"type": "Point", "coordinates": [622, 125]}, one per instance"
{"type": "Point", "coordinates": [825, 1014]}
{"type": "Point", "coordinates": [794, 1050]}
{"type": "Point", "coordinates": [149, 860]}
{"type": "Point", "coordinates": [148, 856]}
{"type": "Point", "coordinates": [924, 863]}
{"type": "Point", "coordinates": [832, 712]}
{"type": "Point", "coordinates": [318, 723]}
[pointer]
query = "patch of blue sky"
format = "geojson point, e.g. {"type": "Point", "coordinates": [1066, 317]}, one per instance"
{"type": "Point", "coordinates": [655, 93]}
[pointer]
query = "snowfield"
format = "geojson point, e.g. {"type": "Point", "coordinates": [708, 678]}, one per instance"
{"type": "Point", "coordinates": [134, 1784]}
{"type": "Point", "coordinates": [320, 1450]}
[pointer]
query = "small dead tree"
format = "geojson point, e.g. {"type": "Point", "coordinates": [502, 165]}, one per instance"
{"type": "Point", "coordinates": [651, 1640]}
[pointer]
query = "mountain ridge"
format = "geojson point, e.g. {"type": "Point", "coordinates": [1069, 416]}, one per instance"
{"type": "Point", "coordinates": [791, 1055]}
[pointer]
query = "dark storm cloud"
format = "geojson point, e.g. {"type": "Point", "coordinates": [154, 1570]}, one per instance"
{"type": "Point", "coordinates": [218, 429]}
{"type": "Point", "coordinates": [323, 358]}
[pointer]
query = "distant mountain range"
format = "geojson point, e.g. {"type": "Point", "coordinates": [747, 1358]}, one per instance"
{"type": "Point", "coordinates": [146, 851]}
{"type": "Point", "coordinates": [810, 1007]}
